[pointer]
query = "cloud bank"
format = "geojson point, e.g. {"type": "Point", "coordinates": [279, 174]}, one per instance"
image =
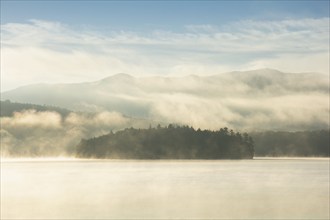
{"type": "Point", "coordinates": [54, 52]}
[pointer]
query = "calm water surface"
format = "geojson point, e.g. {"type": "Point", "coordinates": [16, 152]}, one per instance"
{"type": "Point", "coordinates": [107, 189]}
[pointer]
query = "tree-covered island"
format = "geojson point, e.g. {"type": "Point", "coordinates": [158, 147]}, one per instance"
{"type": "Point", "coordinates": [171, 142]}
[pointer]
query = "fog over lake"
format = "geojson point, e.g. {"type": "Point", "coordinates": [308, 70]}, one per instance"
{"type": "Point", "coordinates": [263, 188]}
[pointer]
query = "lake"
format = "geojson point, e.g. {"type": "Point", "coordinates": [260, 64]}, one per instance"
{"type": "Point", "coordinates": [263, 188]}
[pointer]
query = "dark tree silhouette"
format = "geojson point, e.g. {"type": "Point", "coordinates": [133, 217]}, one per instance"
{"type": "Point", "coordinates": [171, 142]}
{"type": "Point", "coordinates": [301, 144]}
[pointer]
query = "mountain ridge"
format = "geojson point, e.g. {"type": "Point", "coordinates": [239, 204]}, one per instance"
{"type": "Point", "coordinates": [122, 76]}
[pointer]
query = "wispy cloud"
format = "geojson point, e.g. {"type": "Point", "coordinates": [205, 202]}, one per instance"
{"type": "Point", "coordinates": [43, 51]}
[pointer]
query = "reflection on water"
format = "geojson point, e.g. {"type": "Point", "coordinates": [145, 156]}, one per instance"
{"type": "Point", "coordinates": [105, 189]}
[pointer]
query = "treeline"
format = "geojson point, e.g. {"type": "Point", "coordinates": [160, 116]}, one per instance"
{"type": "Point", "coordinates": [297, 144]}
{"type": "Point", "coordinates": [171, 142]}
{"type": "Point", "coordinates": [8, 108]}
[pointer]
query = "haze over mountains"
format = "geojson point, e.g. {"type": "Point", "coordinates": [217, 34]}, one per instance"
{"type": "Point", "coordinates": [262, 99]}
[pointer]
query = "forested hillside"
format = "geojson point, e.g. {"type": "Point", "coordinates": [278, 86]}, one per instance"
{"type": "Point", "coordinates": [171, 142]}
{"type": "Point", "coordinates": [8, 108]}
{"type": "Point", "coordinates": [298, 144]}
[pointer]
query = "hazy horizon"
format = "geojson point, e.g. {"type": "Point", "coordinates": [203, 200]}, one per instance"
{"type": "Point", "coordinates": [97, 79]}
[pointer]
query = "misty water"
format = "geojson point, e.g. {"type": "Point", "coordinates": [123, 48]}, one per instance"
{"type": "Point", "coordinates": [107, 189]}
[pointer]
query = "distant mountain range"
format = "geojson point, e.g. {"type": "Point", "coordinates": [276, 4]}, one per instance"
{"type": "Point", "coordinates": [259, 99]}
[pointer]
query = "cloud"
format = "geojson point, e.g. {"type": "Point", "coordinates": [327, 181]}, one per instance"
{"type": "Point", "coordinates": [55, 52]}
{"type": "Point", "coordinates": [31, 119]}
{"type": "Point", "coordinates": [268, 113]}
{"type": "Point", "coordinates": [201, 28]}
{"type": "Point", "coordinates": [100, 119]}
{"type": "Point", "coordinates": [31, 133]}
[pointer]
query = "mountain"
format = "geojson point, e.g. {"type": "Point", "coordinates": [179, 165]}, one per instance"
{"type": "Point", "coordinates": [262, 99]}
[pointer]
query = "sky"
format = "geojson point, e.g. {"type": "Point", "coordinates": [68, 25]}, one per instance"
{"type": "Point", "coordinates": [75, 41]}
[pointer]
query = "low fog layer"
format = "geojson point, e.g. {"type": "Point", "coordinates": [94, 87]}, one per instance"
{"type": "Point", "coordinates": [263, 99]}
{"type": "Point", "coordinates": [46, 133]}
